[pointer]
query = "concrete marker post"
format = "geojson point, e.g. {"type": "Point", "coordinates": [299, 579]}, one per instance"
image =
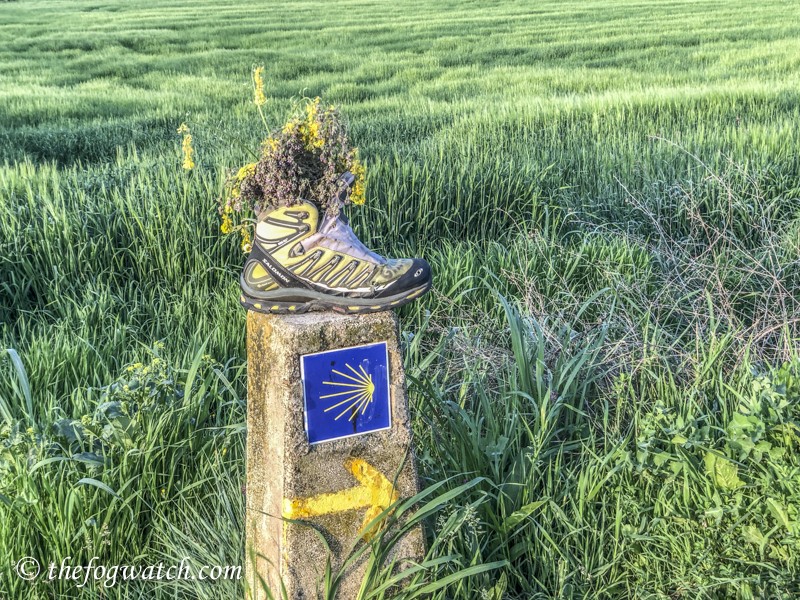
{"type": "Point", "coordinates": [328, 442]}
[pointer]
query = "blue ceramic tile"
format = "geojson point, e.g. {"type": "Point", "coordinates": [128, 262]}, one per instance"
{"type": "Point", "coordinates": [346, 392]}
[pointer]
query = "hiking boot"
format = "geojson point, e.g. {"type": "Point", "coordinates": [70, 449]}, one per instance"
{"type": "Point", "coordinates": [302, 260]}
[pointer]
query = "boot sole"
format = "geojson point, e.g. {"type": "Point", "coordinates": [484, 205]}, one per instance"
{"type": "Point", "coordinates": [298, 301]}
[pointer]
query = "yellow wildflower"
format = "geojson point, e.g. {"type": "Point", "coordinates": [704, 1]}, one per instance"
{"type": "Point", "coordinates": [310, 127]}
{"type": "Point", "coordinates": [258, 85]}
{"type": "Point", "coordinates": [188, 153]}
{"type": "Point", "coordinates": [311, 136]}
{"type": "Point", "coordinates": [186, 146]}
{"type": "Point", "coordinates": [226, 225]}
{"type": "Point", "coordinates": [246, 171]}
{"type": "Point", "coordinates": [359, 194]}
{"type": "Point", "coordinates": [291, 125]}
{"type": "Point", "coordinates": [247, 242]}
{"type": "Point", "coordinates": [236, 186]}
{"type": "Point", "coordinates": [312, 108]}
{"type": "Point", "coordinates": [359, 171]}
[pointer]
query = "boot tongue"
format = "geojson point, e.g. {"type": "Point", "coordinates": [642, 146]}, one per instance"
{"type": "Point", "coordinates": [333, 213]}
{"type": "Point", "coordinates": [336, 228]}
{"type": "Point", "coordinates": [329, 221]}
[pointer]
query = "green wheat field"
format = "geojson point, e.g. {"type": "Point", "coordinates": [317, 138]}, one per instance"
{"type": "Point", "coordinates": [605, 379]}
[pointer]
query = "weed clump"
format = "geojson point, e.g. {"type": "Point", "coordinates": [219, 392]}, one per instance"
{"type": "Point", "coordinates": [302, 160]}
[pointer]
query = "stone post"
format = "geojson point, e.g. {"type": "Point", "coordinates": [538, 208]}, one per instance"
{"type": "Point", "coordinates": [328, 442]}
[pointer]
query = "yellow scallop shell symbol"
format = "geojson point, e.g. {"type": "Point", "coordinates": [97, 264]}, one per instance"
{"type": "Point", "coordinates": [358, 395]}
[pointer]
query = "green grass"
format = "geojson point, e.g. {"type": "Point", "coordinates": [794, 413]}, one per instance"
{"type": "Point", "coordinates": [625, 175]}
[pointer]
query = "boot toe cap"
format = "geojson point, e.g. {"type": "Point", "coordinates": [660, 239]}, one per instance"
{"type": "Point", "coordinates": [420, 271]}
{"type": "Point", "coordinates": [418, 274]}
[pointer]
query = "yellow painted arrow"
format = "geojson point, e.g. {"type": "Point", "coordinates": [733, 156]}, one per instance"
{"type": "Point", "coordinates": [374, 493]}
